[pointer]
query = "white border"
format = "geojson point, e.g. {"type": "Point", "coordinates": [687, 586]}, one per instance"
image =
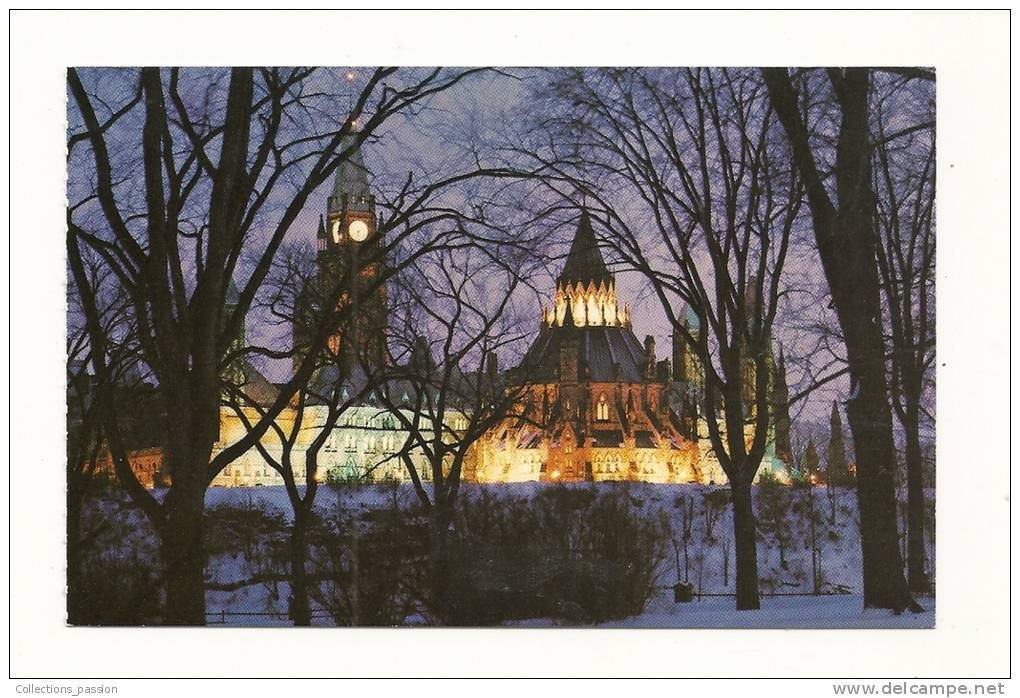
{"type": "Point", "coordinates": [970, 52]}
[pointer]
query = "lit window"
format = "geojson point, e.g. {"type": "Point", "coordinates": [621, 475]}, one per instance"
{"type": "Point", "coordinates": [602, 409]}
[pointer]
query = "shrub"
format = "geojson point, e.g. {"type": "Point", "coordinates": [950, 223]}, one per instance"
{"type": "Point", "coordinates": [246, 528]}
{"type": "Point", "coordinates": [569, 554]}
{"type": "Point", "coordinates": [367, 572]}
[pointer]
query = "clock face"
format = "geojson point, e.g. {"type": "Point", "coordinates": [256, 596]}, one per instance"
{"type": "Point", "coordinates": [336, 231]}
{"type": "Point", "coordinates": [358, 231]}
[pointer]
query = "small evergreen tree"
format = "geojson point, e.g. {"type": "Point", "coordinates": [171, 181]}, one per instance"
{"type": "Point", "coordinates": [811, 465]}
{"type": "Point", "coordinates": [839, 474]}
{"type": "Point", "coordinates": [781, 412]}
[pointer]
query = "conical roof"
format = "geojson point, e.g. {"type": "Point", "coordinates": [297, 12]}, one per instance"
{"type": "Point", "coordinates": [584, 261]}
{"type": "Point", "coordinates": [691, 319]}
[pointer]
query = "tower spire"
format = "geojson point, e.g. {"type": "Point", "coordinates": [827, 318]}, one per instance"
{"type": "Point", "coordinates": [352, 177]}
{"type": "Point", "coordinates": [584, 261]}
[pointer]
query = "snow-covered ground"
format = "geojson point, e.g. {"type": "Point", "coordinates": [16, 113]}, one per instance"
{"type": "Point", "coordinates": [827, 558]}
{"type": "Point", "coordinates": [829, 611]}
{"type": "Point", "coordinates": [833, 611]}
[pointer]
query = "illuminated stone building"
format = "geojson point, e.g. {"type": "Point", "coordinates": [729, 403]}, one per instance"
{"type": "Point", "coordinates": [599, 405]}
{"type": "Point", "coordinates": [598, 400]}
{"type": "Point", "coordinates": [362, 445]}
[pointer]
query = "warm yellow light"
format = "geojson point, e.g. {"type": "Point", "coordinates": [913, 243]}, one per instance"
{"type": "Point", "coordinates": [350, 76]}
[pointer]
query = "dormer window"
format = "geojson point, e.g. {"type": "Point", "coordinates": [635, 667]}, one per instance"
{"type": "Point", "coordinates": [602, 409]}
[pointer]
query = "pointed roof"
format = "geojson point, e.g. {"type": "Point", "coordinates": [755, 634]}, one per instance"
{"type": "Point", "coordinates": [691, 319]}
{"type": "Point", "coordinates": [352, 176]}
{"type": "Point", "coordinates": [584, 261]}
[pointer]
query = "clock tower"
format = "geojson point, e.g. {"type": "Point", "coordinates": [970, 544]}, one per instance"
{"type": "Point", "coordinates": [348, 238]}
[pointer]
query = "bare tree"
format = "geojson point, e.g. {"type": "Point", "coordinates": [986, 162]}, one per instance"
{"type": "Point", "coordinates": [845, 234]}
{"type": "Point", "coordinates": [905, 220]}
{"type": "Point", "coordinates": [297, 298]}
{"type": "Point", "coordinates": [85, 439]}
{"type": "Point", "coordinates": [684, 166]}
{"type": "Point", "coordinates": [184, 172]}
{"type": "Point", "coordinates": [456, 312]}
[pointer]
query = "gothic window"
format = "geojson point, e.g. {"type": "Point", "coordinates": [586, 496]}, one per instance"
{"type": "Point", "coordinates": [602, 409]}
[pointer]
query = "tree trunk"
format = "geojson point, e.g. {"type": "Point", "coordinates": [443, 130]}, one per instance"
{"type": "Point", "coordinates": [300, 610]}
{"type": "Point", "coordinates": [846, 245]}
{"type": "Point", "coordinates": [816, 581]}
{"type": "Point", "coordinates": [182, 546]}
{"type": "Point", "coordinates": [917, 578]}
{"type": "Point", "coordinates": [884, 584]}
{"type": "Point", "coordinates": [439, 563]}
{"type": "Point", "coordinates": [745, 547]}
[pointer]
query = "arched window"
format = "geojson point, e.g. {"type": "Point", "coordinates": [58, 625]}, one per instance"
{"type": "Point", "coordinates": [602, 409]}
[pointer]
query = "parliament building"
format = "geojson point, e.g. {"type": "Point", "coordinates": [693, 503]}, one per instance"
{"type": "Point", "coordinates": [599, 403]}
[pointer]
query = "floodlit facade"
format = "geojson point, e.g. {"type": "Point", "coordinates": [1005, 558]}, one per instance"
{"type": "Point", "coordinates": [598, 403]}
{"type": "Point", "coordinates": [600, 406]}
